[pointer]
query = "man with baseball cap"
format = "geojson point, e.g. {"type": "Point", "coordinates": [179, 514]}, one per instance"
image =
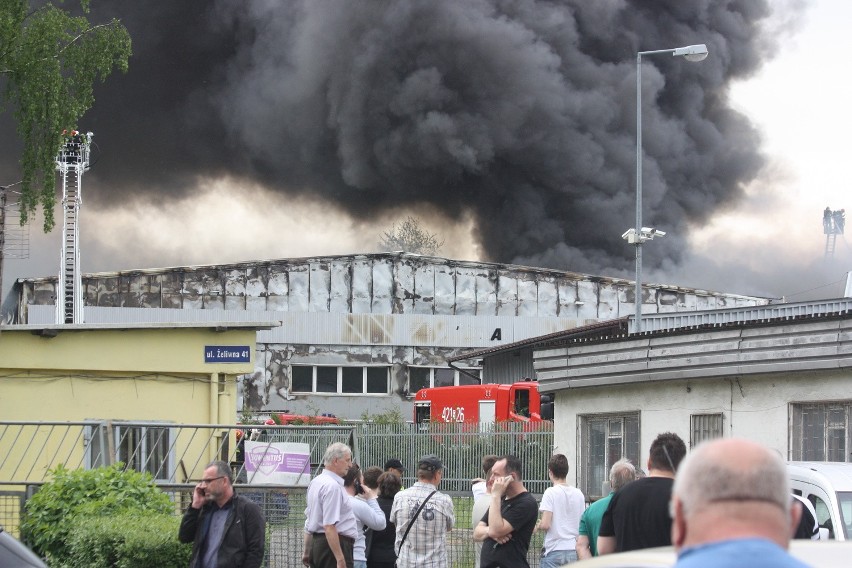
{"type": "Point", "coordinates": [423, 516]}
{"type": "Point", "coordinates": [395, 466]}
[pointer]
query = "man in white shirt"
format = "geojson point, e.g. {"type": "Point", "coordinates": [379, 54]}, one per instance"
{"type": "Point", "coordinates": [329, 522]}
{"type": "Point", "coordinates": [561, 508]}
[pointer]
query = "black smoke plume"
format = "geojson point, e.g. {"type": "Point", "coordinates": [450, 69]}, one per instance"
{"type": "Point", "coordinates": [519, 112]}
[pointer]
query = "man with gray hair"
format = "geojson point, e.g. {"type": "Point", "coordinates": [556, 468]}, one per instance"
{"type": "Point", "coordinates": [621, 473]}
{"type": "Point", "coordinates": [330, 528]}
{"type": "Point", "coordinates": [731, 507]}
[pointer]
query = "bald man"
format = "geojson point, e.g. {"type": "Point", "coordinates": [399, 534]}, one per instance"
{"type": "Point", "coordinates": [731, 507]}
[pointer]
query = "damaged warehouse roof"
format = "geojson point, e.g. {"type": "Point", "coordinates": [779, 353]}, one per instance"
{"type": "Point", "coordinates": [363, 332]}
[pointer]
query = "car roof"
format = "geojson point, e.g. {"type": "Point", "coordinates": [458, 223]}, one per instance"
{"type": "Point", "coordinates": [838, 474]}
{"type": "Point", "coordinates": [816, 553]}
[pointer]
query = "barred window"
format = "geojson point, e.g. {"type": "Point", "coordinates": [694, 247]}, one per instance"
{"type": "Point", "coordinates": [705, 427]}
{"type": "Point", "coordinates": [819, 431]}
{"type": "Point", "coordinates": [605, 439]}
{"type": "Point", "coordinates": [140, 448]}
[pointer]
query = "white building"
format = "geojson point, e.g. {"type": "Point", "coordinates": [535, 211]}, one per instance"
{"type": "Point", "coordinates": [780, 375]}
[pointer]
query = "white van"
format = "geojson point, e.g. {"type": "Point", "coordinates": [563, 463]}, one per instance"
{"type": "Point", "coordinates": [828, 485]}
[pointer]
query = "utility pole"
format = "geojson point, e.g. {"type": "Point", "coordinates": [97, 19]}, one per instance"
{"type": "Point", "coordinates": [3, 189]}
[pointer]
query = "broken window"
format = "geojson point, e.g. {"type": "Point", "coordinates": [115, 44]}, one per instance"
{"type": "Point", "coordinates": [418, 378]}
{"type": "Point", "coordinates": [444, 377]}
{"type": "Point", "coordinates": [427, 377]}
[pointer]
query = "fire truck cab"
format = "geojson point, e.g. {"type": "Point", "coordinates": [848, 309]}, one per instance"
{"type": "Point", "coordinates": [518, 402]}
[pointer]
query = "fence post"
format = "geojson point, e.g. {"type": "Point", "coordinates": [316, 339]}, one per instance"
{"type": "Point", "coordinates": [110, 442]}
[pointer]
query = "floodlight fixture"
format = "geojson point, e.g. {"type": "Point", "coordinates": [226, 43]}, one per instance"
{"type": "Point", "coordinates": [692, 52]}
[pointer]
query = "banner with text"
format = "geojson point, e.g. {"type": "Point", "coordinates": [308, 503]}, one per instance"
{"type": "Point", "coordinates": [285, 463]}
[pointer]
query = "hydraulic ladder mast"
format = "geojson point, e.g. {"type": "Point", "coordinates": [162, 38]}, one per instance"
{"type": "Point", "coordinates": [71, 162]}
{"type": "Point", "coordinates": [833, 224]}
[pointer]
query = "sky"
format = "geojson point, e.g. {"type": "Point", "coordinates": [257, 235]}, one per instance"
{"type": "Point", "coordinates": [764, 239]}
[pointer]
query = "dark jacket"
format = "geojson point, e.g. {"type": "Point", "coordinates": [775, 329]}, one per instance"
{"type": "Point", "coordinates": [243, 539]}
{"type": "Point", "coordinates": [382, 546]}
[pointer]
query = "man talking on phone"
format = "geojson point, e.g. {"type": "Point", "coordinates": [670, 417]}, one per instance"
{"type": "Point", "coordinates": [507, 527]}
{"type": "Point", "coordinates": [227, 531]}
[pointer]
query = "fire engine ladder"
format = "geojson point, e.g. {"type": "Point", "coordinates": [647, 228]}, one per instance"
{"type": "Point", "coordinates": [72, 161]}
{"type": "Point", "coordinates": [830, 243]}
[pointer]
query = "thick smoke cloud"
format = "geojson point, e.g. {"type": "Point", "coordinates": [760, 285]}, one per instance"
{"type": "Point", "coordinates": [520, 112]}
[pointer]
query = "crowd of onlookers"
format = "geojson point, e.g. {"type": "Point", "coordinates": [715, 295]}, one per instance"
{"type": "Point", "coordinates": [727, 503]}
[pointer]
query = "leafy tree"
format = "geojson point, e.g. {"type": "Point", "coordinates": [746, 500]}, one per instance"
{"type": "Point", "coordinates": [410, 237]}
{"type": "Point", "coordinates": [50, 59]}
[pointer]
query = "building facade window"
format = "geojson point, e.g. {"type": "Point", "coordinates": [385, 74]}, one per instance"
{"type": "Point", "coordinates": [819, 431]}
{"type": "Point", "coordinates": [704, 427]}
{"type": "Point", "coordinates": [339, 380]}
{"type": "Point", "coordinates": [605, 439]}
{"type": "Point", "coordinates": [428, 377]}
{"type": "Point", "coordinates": [140, 448]}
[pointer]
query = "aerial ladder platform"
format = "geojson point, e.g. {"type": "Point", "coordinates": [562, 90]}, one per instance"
{"type": "Point", "coordinates": [833, 224]}
{"type": "Point", "coordinates": [71, 162]}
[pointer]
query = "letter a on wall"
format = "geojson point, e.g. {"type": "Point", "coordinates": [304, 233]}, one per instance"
{"type": "Point", "coordinates": [497, 335]}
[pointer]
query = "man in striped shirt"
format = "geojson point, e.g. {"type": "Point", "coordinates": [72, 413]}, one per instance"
{"type": "Point", "coordinates": [426, 543]}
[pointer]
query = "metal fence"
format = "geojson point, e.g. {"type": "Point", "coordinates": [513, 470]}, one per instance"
{"type": "Point", "coordinates": [175, 455]}
{"type": "Point", "coordinates": [461, 448]}
{"type": "Point", "coordinates": [284, 509]}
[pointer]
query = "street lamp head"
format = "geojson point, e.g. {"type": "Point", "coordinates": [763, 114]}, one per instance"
{"type": "Point", "coordinates": [692, 52]}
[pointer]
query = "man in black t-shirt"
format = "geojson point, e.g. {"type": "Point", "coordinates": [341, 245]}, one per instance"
{"type": "Point", "coordinates": [507, 527]}
{"type": "Point", "coordinates": [638, 514]}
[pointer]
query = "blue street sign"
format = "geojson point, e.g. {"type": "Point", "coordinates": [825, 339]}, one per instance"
{"type": "Point", "coordinates": [227, 354]}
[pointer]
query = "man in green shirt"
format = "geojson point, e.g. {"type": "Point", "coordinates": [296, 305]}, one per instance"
{"type": "Point", "coordinates": [621, 473]}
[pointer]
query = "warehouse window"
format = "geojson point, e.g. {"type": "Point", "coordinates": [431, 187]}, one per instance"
{"type": "Point", "coordinates": [303, 379]}
{"type": "Point", "coordinates": [427, 377]}
{"type": "Point", "coordinates": [820, 431]}
{"type": "Point", "coordinates": [140, 448]}
{"type": "Point", "coordinates": [605, 439]}
{"type": "Point", "coordinates": [340, 380]}
{"type": "Point", "coordinates": [704, 427]}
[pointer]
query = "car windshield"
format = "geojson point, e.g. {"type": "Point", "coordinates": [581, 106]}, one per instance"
{"type": "Point", "coordinates": [844, 501]}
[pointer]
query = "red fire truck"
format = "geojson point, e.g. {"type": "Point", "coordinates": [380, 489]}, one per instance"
{"type": "Point", "coordinates": [519, 402]}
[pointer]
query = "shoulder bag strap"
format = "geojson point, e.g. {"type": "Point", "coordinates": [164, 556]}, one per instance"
{"type": "Point", "coordinates": [411, 522]}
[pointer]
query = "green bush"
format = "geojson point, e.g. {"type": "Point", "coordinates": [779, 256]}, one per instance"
{"type": "Point", "coordinates": [127, 540]}
{"type": "Point", "coordinates": [53, 511]}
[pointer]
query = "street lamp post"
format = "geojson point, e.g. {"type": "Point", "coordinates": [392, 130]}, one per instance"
{"type": "Point", "coordinates": [640, 234]}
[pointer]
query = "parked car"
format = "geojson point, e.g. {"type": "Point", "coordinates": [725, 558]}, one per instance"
{"type": "Point", "coordinates": [13, 554]}
{"type": "Point", "coordinates": [828, 486]}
